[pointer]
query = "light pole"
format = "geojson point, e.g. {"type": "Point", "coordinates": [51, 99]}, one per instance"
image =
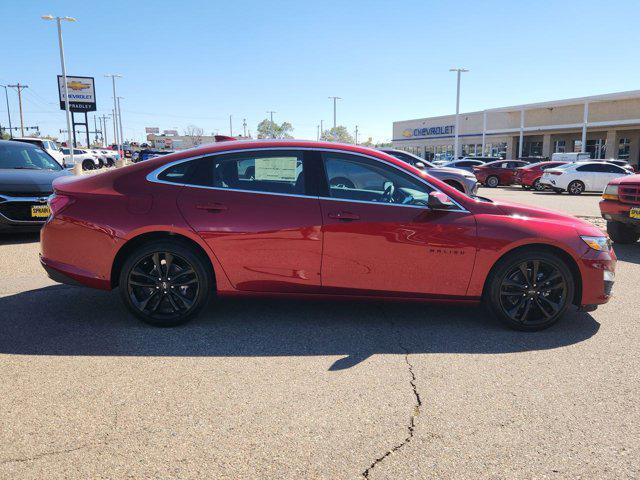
{"type": "Point", "coordinates": [271, 112]}
{"type": "Point", "coordinates": [456, 150]}
{"type": "Point", "coordinates": [6, 96]}
{"type": "Point", "coordinates": [67, 108]}
{"type": "Point", "coordinates": [113, 77]}
{"type": "Point", "coordinates": [120, 124]}
{"type": "Point", "coordinates": [231, 125]}
{"type": "Point", "coordinates": [334, 109]}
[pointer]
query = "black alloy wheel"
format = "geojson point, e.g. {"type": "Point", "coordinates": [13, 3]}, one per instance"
{"type": "Point", "coordinates": [531, 291]}
{"type": "Point", "coordinates": [165, 284]}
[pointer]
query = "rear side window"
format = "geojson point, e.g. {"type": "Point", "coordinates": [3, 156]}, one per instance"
{"type": "Point", "coordinates": [589, 168]}
{"type": "Point", "coordinates": [259, 171]}
{"type": "Point", "coordinates": [178, 173]}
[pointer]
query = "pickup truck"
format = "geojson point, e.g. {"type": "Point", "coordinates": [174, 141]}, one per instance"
{"type": "Point", "coordinates": [620, 207]}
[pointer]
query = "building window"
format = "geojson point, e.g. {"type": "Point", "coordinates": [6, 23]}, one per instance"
{"type": "Point", "coordinates": [577, 146]}
{"type": "Point", "coordinates": [559, 146]}
{"type": "Point", "coordinates": [624, 146]}
{"type": "Point", "coordinates": [596, 148]}
{"type": "Point", "coordinates": [496, 149]}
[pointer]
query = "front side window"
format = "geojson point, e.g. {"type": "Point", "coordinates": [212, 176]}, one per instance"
{"type": "Point", "coordinates": [256, 171]}
{"type": "Point", "coordinates": [624, 147]}
{"type": "Point", "coordinates": [356, 178]}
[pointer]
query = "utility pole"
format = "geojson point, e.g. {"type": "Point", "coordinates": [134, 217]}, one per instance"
{"type": "Point", "coordinates": [113, 77]}
{"type": "Point", "coordinates": [244, 127]}
{"type": "Point", "coordinates": [6, 96]}
{"type": "Point", "coordinates": [321, 128]}
{"type": "Point", "coordinates": [20, 88]}
{"type": "Point", "coordinates": [356, 134]}
{"type": "Point", "coordinates": [456, 150]}
{"type": "Point", "coordinates": [231, 125]}
{"type": "Point", "coordinates": [271, 112]}
{"type": "Point", "coordinates": [115, 130]}
{"type": "Point", "coordinates": [103, 123]}
{"type": "Point", "coordinates": [334, 109]}
{"type": "Point", "coordinates": [318, 132]}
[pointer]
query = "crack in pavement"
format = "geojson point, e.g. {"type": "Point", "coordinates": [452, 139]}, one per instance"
{"type": "Point", "coordinates": [416, 408]}
{"type": "Point", "coordinates": [38, 456]}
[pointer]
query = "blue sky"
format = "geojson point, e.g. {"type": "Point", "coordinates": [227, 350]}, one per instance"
{"type": "Point", "coordinates": [196, 62]}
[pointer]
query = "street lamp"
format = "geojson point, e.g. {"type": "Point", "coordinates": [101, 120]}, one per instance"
{"type": "Point", "coordinates": [457, 141]}
{"type": "Point", "coordinates": [6, 96]}
{"type": "Point", "coordinates": [70, 144]}
{"type": "Point", "coordinates": [116, 114]}
{"type": "Point", "coordinates": [120, 122]}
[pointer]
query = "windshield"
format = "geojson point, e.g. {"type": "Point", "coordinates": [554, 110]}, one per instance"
{"type": "Point", "coordinates": [27, 157]}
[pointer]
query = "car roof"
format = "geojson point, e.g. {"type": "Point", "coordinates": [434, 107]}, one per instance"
{"type": "Point", "coordinates": [15, 142]}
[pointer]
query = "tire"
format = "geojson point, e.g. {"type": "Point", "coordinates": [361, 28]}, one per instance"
{"type": "Point", "coordinates": [110, 162]}
{"type": "Point", "coordinates": [537, 186]}
{"type": "Point", "coordinates": [101, 163]}
{"type": "Point", "coordinates": [526, 187]}
{"type": "Point", "coordinates": [456, 185]}
{"type": "Point", "coordinates": [621, 233]}
{"type": "Point", "coordinates": [341, 182]}
{"type": "Point", "coordinates": [156, 300]}
{"type": "Point", "coordinates": [88, 165]}
{"type": "Point", "coordinates": [576, 187]}
{"type": "Point", "coordinates": [492, 181]}
{"type": "Point", "coordinates": [508, 291]}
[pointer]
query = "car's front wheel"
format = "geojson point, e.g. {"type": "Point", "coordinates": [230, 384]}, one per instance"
{"type": "Point", "coordinates": [166, 283]}
{"type": "Point", "coordinates": [621, 233]}
{"type": "Point", "coordinates": [530, 290]}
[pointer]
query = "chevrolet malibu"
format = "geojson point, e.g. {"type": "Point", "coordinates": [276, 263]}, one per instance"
{"type": "Point", "coordinates": [175, 230]}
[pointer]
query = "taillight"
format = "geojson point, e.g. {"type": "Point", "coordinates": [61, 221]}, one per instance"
{"type": "Point", "coordinates": [57, 203]}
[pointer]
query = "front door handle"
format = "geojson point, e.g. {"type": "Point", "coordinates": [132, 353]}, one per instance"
{"type": "Point", "coordinates": [212, 207]}
{"type": "Point", "coordinates": [346, 216]}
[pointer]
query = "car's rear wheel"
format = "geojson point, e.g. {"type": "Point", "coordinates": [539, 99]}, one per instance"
{"type": "Point", "coordinates": [622, 233]}
{"type": "Point", "coordinates": [492, 181]}
{"type": "Point", "coordinates": [88, 165]}
{"type": "Point", "coordinates": [538, 187]}
{"type": "Point", "coordinates": [165, 283]}
{"type": "Point", "coordinates": [575, 188]}
{"type": "Point", "coordinates": [530, 290]}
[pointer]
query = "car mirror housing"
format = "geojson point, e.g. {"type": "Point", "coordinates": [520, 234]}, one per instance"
{"type": "Point", "coordinates": [440, 201]}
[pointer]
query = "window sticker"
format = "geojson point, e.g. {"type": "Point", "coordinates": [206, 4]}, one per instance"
{"type": "Point", "coordinates": [279, 169]}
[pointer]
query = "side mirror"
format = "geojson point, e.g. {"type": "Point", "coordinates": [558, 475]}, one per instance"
{"type": "Point", "coordinates": [440, 201]}
{"type": "Point", "coordinates": [420, 165]}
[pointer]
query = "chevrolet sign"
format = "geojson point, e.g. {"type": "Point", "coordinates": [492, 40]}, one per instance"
{"type": "Point", "coordinates": [428, 131]}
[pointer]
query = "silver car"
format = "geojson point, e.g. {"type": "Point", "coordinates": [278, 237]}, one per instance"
{"type": "Point", "coordinates": [460, 179]}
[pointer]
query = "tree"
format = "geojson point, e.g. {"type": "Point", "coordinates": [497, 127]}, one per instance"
{"type": "Point", "coordinates": [337, 134]}
{"type": "Point", "coordinates": [194, 134]}
{"type": "Point", "coordinates": [269, 129]}
{"type": "Point", "coordinates": [368, 142]}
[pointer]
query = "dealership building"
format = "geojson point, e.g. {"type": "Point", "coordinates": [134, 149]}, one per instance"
{"type": "Point", "coordinates": [606, 126]}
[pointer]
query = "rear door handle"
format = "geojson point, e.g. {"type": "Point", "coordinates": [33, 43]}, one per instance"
{"type": "Point", "coordinates": [212, 207]}
{"type": "Point", "coordinates": [346, 216]}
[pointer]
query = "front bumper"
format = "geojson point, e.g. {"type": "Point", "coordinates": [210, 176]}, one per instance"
{"type": "Point", "coordinates": [616, 211]}
{"type": "Point", "coordinates": [15, 213]}
{"type": "Point", "coordinates": [598, 277]}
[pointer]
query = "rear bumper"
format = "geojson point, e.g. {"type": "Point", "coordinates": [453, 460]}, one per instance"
{"type": "Point", "coordinates": [71, 275]}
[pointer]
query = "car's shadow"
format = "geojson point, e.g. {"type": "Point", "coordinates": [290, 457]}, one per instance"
{"type": "Point", "coordinates": [627, 253]}
{"type": "Point", "coordinates": [18, 238]}
{"type": "Point", "coordinates": [63, 320]}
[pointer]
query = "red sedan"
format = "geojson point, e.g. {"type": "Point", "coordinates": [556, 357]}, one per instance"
{"type": "Point", "coordinates": [529, 175]}
{"type": "Point", "coordinates": [315, 219]}
{"type": "Point", "coordinates": [500, 172]}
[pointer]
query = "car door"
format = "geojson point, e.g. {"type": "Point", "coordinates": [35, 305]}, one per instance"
{"type": "Point", "coordinates": [610, 172]}
{"type": "Point", "coordinates": [259, 216]}
{"type": "Point", "coordinates": [381, 238]}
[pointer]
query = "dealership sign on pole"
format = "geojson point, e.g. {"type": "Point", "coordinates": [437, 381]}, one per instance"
{"type": "Point", "coordinates": [82, 93]}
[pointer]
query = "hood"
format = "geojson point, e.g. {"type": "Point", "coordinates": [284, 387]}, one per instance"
{"type": "Point", "coordinates": [625, 179]}
{"type": "Point", "coordinates": [26, 181]}
{"type": "Point", "coordinates": [542, 214]}
{"type": "Point", "coordinates": [457, 171]}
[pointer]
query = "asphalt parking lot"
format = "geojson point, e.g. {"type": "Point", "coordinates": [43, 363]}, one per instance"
{"type": "Point", "coordinates": [282, 389]}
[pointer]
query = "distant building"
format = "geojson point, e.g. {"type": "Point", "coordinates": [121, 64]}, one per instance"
{"type": "Point", "coordinates": [608, 124]}
{"type": "Point", "coordinates": [180, 142]}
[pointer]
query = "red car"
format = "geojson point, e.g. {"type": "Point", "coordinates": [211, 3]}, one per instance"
{"type": "Point", "coordinates": [314, 219]}
{"type": "Point", "coordinates": [529, 175]}
{"type": "Point", "coordinates": [496, 173]}
{"type": "Point", "coordinates": [620, 207]}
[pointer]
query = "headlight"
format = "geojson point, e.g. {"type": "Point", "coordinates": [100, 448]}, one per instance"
{"type": "Point", "coordinates": [611, 192]}
{"type": "Point", "coordinates": [601, 244]}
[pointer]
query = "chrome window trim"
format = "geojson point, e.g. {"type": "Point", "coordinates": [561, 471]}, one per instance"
{"type": "Point", "coordinates": [153, 176]}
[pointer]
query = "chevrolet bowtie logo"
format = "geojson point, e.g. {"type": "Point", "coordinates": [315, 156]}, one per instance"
{"type": "Point", "coordinates": [75, 85]}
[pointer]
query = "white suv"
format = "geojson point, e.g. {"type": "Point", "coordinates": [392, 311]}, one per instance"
{"type": "Point", "coordinates": [45, 144]}
{"type": "Point", "coordinates": [580, 177]}
{"type": "Point", "coordinates": [88, 160]}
